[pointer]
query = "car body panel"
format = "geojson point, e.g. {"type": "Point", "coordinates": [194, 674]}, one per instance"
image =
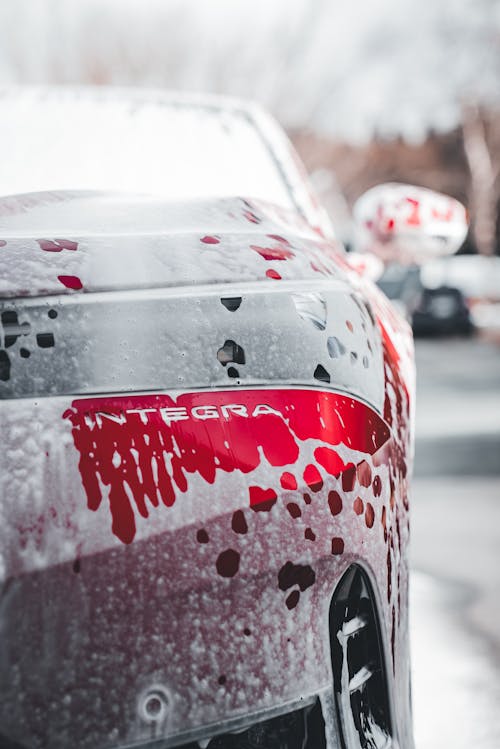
{"type": "Point", "coordinates": [196, 452]}
{"type": "Point", "coordinates": [217, 591]}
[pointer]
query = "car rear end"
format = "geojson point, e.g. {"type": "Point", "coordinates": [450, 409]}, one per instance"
{"type": "Point", "coordinates": [205, 419]}
{"type": "Point", "coordinates": [190, 467]}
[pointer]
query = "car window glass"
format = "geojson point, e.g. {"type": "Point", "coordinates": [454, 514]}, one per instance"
{"type": "Point", "coordinates": [66, 140]}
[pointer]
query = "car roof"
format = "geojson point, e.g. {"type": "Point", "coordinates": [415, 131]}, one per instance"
{"type": "Point", "coordinates": [42, 97]}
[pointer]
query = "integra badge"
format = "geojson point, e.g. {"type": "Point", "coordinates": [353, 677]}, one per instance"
{"type": "Point", "coordinates": [170, 414]}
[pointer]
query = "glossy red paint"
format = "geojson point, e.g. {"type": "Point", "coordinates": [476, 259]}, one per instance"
{"type": "Point", "coordinates": [252, 217]}
{"type": "Point", "coordinates": [279, 238]}
{"type": "Point", "coordinates": [71, 282]}
{"type": "Point", "coordinates": [262, 500]}
{"type": "Point", "coordinates": [330, 460]}
{"type": "Point", "coordinates": [126, 442]}
{"type": "Point", "coordinates": [271, 273]}
{"type": "Point", "coordinates": [273, 253]}
{"type": "Point", "coordinates": [57, 245]}
{"type": "Point", "coordinates": [288, 481]}
{"type": "Point", "coordinates": [313, 478]}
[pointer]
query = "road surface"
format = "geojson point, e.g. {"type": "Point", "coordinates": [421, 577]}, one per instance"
{"type": "Point", "coordinates": [456, 546]}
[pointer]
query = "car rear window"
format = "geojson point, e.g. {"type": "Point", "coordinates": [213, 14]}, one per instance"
{"type": "Point", "coordinates": [79, 139]}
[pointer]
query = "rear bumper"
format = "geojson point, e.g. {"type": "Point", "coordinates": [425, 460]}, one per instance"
{"type": "Point", "coordinates": [216, 603]}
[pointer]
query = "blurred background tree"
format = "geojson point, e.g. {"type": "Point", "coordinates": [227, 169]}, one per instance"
{"type": "Point", "coordinates": [371, 89]}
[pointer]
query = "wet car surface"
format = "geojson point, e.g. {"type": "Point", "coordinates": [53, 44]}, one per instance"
{"type": "Point", "coordinates": [205, 490]}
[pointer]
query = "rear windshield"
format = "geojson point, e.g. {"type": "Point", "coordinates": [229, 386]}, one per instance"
{"type": "Point", "coordinates": [79, 139]}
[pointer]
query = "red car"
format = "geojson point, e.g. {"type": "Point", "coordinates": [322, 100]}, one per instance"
{"type": "Point", "coordinates": [207, 439]}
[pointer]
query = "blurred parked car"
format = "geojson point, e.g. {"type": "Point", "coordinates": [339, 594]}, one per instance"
{"type": "Point", "coordinates": [207, 442]}
{"type": "Point", "coordinates": [478, 279]}
{"type": "Point", "coordinates": [441, 310]}
{"type": "Point", "coordinates": [409, 227]}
